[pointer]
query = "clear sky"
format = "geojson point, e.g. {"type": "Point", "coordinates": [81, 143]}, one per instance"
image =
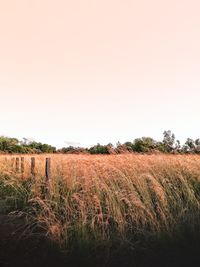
{"type": "Point", "coordinates": [89, 71]}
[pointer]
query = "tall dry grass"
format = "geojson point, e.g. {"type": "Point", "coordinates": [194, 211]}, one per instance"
{"type": "Point", "coordinates": [106, 200]}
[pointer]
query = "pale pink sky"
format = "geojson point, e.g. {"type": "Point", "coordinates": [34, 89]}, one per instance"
{"type": "Point", "coordinates": [91, 71]}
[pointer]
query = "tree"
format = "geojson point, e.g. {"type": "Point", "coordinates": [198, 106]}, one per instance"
{"type": "Point", "coordinates": [177, 146]}
{"type": "Point", "coordinates": [41, 148]}
{"type": "Point", "coordinates": [128, 146]}
{"type": "Point", "coordinates": [168, 141]}
{"type": "Point", "coordinates": [191, 146]}
{"type": "Point", "coordinates": [99, 149]}
{"type": "Point", "coordinates": [144, 144]}
{"type": "Point", "coordinates": [197, 143]}
{"type": "Point", "coordinates": [73, 150]}
{"type": "Point", "coordinates": [8, 145]}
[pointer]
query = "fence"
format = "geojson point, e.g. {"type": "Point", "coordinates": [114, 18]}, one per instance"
{"type": "Point", "coordinates": [19, 167]}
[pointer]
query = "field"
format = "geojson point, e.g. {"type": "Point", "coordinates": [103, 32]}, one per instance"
{"type": "Point", "coordinates": [115, 210]}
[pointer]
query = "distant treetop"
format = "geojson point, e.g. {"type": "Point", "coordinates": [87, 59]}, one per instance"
{"type": "Point", "coordinates": [169, 144]}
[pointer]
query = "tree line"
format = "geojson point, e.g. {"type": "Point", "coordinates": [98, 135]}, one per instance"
{"type": "Point", "coordinates": [169, 144]}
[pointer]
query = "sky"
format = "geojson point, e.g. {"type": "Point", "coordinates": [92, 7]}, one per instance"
{"type": "Point", "coordinates": [86, 71]}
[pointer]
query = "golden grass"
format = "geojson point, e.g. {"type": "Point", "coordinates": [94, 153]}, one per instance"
{"type": "Point", "coordinates": [98, 199]}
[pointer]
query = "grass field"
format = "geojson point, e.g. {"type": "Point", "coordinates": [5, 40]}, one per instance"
{"type": "Point", "coordinates": [107, 204]}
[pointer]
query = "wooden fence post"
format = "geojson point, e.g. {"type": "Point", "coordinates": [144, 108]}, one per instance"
{"type": "Point", "coordinates": [17, 165]}
{"type": "Point", "coordinates": [22, 165]}
{"type": "Point", "coordinates": [33, 167]}
{"type": "Point", "coordinates": [48, 169]}
{"type": "Point", "coordinates": [13, 164]}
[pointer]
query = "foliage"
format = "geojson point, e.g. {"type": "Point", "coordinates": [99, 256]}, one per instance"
{"type": "Point", "coordinates": [99, 149]}
{"type": "Point", "coordinates": [72, 150]}
{"type": "Point", "coordinates": [192, 146]}
{"type": "Point", "coordinates": [144, 144]}
{"type": "Point", "coordinates": [42, 148]}
{"type": "Point", "coordinates": [169, 144]}
{"type": "Point", "coordinates": [13, 145]}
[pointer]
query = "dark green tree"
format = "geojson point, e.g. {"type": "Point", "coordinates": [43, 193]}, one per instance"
{"type": "Point", "coordinates": [144, 144]}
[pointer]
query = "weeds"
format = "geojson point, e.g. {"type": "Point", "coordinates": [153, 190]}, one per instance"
{"type": "Point", "coordinates": [102, 201]}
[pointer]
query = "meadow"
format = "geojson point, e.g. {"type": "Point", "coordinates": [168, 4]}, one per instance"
{"type": "Point", "coordinates": [104, 205]}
